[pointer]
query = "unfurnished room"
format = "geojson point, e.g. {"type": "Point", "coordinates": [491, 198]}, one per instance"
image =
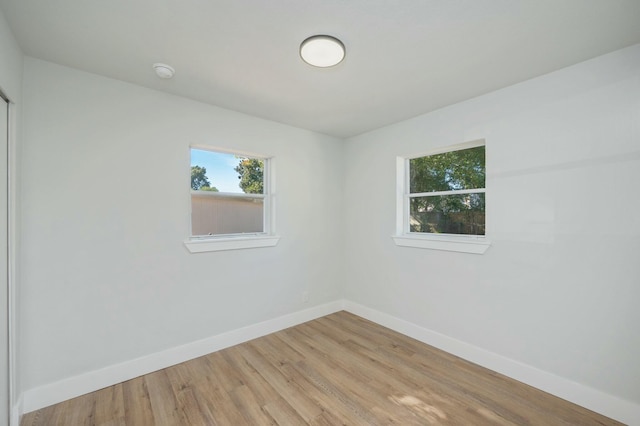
{"type": "Point", "coordinates": [353, 212]}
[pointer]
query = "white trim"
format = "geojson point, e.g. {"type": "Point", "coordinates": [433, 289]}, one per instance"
{"type": "Point", "coordinates": [229, 151]}
{"type": "Point", "coordinates": [202, 245]}
{"type": "Point", "coordinates": [461, 244]}
{"type": "Point", "coordinates": [217, 194]}
{"type": "Point", "coordinates": [220, 242]}
{"type": "Point", "coordinates": [448, 148]}
{"type": "Point", "coordinates": [452, 192]}
{"type": "Point", "coordinates": [402, 202]}
{"type": "Point", "coordinates": [622, 410]}
{"type": "Point", "coordinates": [12, 235]}
{"type": "Point", "coordinates": [11, 119]}
{"type": "Point", "coordinates": [71, 387]}
{"type": "Point", "coordinates": [16, 413]}
{"type": "Point", "coordinates": [475, 244]}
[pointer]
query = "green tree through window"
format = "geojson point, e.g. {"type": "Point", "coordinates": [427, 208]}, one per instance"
{"type": "Point", "coordinates": [251, 175]}
{"type": "Point", "coordinates": [446, 192]}
{"type": "Point", "coordinates": [199, 180]}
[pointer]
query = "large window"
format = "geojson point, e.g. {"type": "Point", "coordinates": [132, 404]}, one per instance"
{"type": "Point", "coordinates": [230, 197]}
{"type": "Point", "coordinates": [443, 194]}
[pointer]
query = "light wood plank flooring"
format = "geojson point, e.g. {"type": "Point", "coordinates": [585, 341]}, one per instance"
{"type": "Point", "coordinates": [336, 370]}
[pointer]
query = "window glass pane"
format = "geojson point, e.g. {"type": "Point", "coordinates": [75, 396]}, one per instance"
{"type": "Point", "coordinates": [454, 170]}
{"type": "Point", "coordinates": [448, 214]}
{"type": "Point", "coordinates": [220, 214]}
{"type": "Point", "coordinates": [223, 172]}
{"type": "Point", "coordinates": [226, 193]}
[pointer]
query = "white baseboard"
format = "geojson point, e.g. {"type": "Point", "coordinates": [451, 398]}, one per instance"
{"type": "Point", "coordinates": [608, 405]}
{"type": "Point", "coordinates": [16, 413]}
{"type": "Point", "coordinates": [53, 393]}
{"type": "Point", "coordinates": [592, 399]}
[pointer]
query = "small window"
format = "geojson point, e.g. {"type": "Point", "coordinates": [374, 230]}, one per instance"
{"type": "Point", "coordinates": [443, 194]}
{"type": "Point", "coordinates": [229, 194]}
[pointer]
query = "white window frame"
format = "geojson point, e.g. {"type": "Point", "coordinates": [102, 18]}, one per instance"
{"type": "Point", "coordinates": [476, 244]}
{"type": "Point", "coordinates": [220, 242]}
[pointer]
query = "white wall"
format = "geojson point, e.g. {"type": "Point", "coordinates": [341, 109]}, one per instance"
{"type": "Point", "coordinates": [106, 277]}
{"type": "Point", "coordinates": [559, 288]}
{"type": "Point", "coordinates": [11, 86]}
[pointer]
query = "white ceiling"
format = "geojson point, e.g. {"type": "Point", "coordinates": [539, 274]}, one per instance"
{"type": "Point", "coordinates": [404, 57]}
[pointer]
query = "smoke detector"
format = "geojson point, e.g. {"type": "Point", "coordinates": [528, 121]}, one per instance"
{"type": "Point", "coordinates": [164, 70]}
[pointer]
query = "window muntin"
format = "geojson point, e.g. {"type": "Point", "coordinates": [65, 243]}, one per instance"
{"type": "Point", "coordinates": [446, 192]}
{"type": "Point", "coordinates": [229, 194]}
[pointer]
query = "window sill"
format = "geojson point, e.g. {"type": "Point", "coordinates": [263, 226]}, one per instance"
{"type": "Point", "coordinates": [230, 243]}
{"type": "Point", "coordinates": [472, 245]}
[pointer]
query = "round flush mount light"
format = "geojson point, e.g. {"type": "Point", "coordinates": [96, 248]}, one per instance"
{"type": "Point", "coordinates": [164, 70]}
{"type": "Point", "coordinates": [322, 51]}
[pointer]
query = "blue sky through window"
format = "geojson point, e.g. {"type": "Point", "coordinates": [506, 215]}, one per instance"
{"type": "Point", "coordinates": [219, 167]}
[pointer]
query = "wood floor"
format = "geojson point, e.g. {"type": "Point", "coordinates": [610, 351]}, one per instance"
{"type": "Point", "coordinates": [336, 370]}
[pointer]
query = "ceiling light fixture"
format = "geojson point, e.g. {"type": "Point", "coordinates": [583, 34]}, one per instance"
{"type": "Point", "coordinates": [322, 51]}
{"type": "Point", "coordinates": [164, 70]}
